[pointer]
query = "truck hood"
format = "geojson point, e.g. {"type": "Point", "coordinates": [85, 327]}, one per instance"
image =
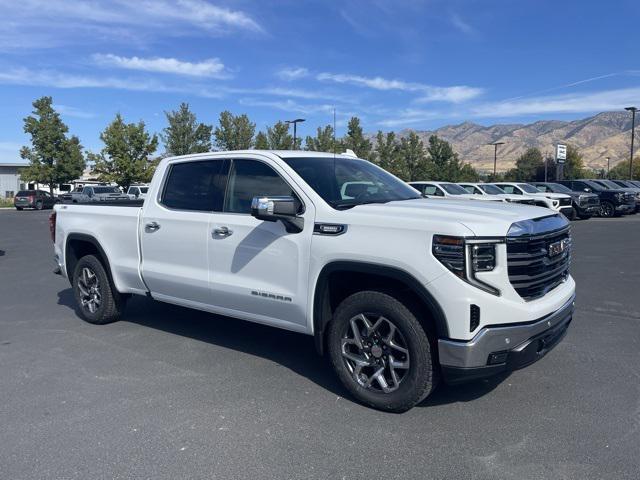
{"type": "Point", "coordinates": [553, 195]}
{"type": "Point", "coordinates": [490, 219]}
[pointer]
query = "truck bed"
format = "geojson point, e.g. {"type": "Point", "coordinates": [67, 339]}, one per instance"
{"type": "Point", "coordinates": [110, 203]}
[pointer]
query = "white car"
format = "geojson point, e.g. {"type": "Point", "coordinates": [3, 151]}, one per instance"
{"type": "Point", "coordinates": [137, 191]}
{"type": "Point", "coordinates": [559, 202]}
{"type": "Point", "coordinates": [485, 189]}
{"type": "Point", "coordinates": [396, 289]}
{"type": "Point", "coordinates": [449, 190]}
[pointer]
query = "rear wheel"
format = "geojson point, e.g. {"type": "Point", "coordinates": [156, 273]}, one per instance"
{"type": "Point", "coordinates": [18, 208]}
{"type": "Point", "coordinates": [99, 303]}
{"type": "Point", "coordinates": [607, 209]}
{"type": "Point", "coordinates": [380, 352]}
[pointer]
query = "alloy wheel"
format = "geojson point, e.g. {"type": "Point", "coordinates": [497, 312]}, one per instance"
{"type": "Point", "coordinates": [89, 286]}
{"type": "Point", "coordinates": [375, 352]}
{"type": "Point", "coordinates": [606, 210]}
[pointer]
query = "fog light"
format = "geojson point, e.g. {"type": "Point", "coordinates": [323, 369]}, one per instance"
{"type": "Point", "coordinates": [497, 357]}
{"type": "Point", "coordinates": [474, 317]}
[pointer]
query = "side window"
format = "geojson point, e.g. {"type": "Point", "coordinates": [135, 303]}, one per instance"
{"type": "Point", "coordinates": [195, 186]}
{"type": "Point", "coordinates": [430, 190]}
{"type": "Point", "coordinates": [507, 188]}
{"type": "Point", "coordinates": [475, 191]}
{"type": "Point", "coordinates": [578, 185]}
{"type": "Point", "coordinates": [470, 188]}
{"type": "Point", "coordinates": [251, 178]}
{"type": "Point", "coordinates": [543, 188]}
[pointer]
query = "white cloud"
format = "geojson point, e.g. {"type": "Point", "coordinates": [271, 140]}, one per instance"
{"type": "Point", "coordinates": [585, 102]}
{"type": "Point", "coordinates": [287, 106]}
{"type": "Point", "coordinates": [429, 93]}
{"type": "Point", "coordinates": [70, 111]}
{"type": "Point", "coordinates": [461, 25]}
{"type": "Point", "coordinates": [212, 67]}
{"type": "Point", "coordinates": [411, 116]}
{"type": "Point", "coordinates": [292, 73]}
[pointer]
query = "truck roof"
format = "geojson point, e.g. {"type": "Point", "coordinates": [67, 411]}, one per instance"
{"type": "Point", "coordinates": [279, 153]}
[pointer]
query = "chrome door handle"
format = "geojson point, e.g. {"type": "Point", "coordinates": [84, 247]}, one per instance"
{"type": "Point", "coordinates": [152, 226]}
{"type": "Point", "coordinates": [222, 231]}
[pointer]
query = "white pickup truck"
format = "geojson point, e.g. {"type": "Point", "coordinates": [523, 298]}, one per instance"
{"type": "Point", "coordinates": [399, 290]}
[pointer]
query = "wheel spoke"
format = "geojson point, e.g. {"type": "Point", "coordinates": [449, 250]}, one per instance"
{"type": "Point", "coordinates": [356, 332]}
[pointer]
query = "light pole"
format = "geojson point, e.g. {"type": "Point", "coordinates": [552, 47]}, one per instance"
{"type": "Point", "coordinates": [295, 123]}
{"type": "Point", "coordinates": [633, 111]}
{"type": "Point", "coordinates": [495, 157]}
{"type": "Point", "coordinates": [608, 166]}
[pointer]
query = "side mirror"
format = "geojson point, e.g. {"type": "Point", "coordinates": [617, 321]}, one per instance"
{"type": "Point", "coordinates": [588, 190]}
{"type": "Point", "coordinates": [272, 209]}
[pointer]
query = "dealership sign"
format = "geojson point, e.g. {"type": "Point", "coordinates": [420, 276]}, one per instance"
{"type": "Point", "coordinates": [561, 153]}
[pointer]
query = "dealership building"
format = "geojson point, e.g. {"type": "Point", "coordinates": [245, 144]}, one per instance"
{"type": "Point", "coordinates": [10, 182]}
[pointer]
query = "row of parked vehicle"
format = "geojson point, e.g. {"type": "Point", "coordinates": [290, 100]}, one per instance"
{"type": "Point", "coordinates": [39, 199]}
{"type": "Point", "coordinates": [581, 198]}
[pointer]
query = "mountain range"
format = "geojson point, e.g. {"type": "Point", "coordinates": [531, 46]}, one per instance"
{"type": "Point", "coordinates": [603, 135]}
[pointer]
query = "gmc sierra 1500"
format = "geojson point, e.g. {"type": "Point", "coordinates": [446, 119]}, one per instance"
{"type": "Point", "coordinates": [398, 289]}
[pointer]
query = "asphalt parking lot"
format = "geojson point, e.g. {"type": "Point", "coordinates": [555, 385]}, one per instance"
{"type": "Point", "coordinates": [174, 393]}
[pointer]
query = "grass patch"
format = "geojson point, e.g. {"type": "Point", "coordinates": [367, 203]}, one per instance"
{"type": "Point", "coordinates": [6, 202]}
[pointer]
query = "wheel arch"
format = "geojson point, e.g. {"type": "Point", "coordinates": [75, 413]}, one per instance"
{"type": "Point", "coordinates": [374, 276]}
{"type": "Point", "coordinates": [78, 245]}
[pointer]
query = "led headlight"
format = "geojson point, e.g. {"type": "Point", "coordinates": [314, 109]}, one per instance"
{"type": "Point", "coordinates": [466, 257]}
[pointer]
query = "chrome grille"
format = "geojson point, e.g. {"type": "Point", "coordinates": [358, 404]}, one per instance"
{"type": "Point", "coordinates": [565, 201]}
{"type": "Point", "coordinates": [533, 270]}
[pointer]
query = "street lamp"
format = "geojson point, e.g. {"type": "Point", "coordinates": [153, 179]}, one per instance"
{"type": "Point", "coordinates": [633, 111]}
{"type": "Point", "coordinates": [495, 156]}
{"type": "Point", "coordinates": [608, 166]}
{"type": "Point", "coordinates": [295, 123]}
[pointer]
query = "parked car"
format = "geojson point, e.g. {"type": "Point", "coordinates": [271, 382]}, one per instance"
{"type": "Point", "coordinates": [585, 205]}
{"type": "Point", "coordinates": [37, 199]}
{"type": "Point", "coordinates": [94, 193]}
{"type": "Point", "coordinates": [399, 291]}
{"type": "Point", "coordinates": [449, 190]}
{"type": "Point", "coordinates": [629, 185]}
{"type": "Point", "coordinates": [495, 191]}
{"type": "Point", "coordinates": [559, 202]}
{"type": "Point", "coordinates": [613, 202]}
{"type": "Point", "coordinates": [137, 191]}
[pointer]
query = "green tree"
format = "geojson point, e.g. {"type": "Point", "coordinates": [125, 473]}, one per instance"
{"type": "Point", "coordinates": [278, 137]}
{"type": "Point", "coordinates": [356, 141]}
{"type": "Point", "coordinates": [126, 156]}
{"type": "Point", "coordinates": [530, 166]}
{"type": "Point", "coordinates": [184, 134]}
{"type": "Point", "coordinates": [413, 163]}
{"type": "Point", "coordinates": [262, 142]}
{"type": "Point", "coordinates": [324, 140]}
{"type": "Point", "coordinates": [621, 169]}
{"type": "Point", "coordinates": [235, 132]}
{"type": "Point", "coordinates": [574, 164]}
{"type": "Point", "coordinates": [387, 153]}
{"type": "Point", "coordinates": [53, 157]}
{"type": "Point", "coordinates": [467, 174]}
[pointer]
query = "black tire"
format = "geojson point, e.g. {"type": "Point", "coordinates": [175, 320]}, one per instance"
{"type": "Point", "coordinates": [418, 380]}
{"type": "Point", "coordinates": [39, 205]}
{"type": "Point", "coordinates": [572, 214]}
{"type": "Point", "coordinates": [18, 208]}
{"type": "Point", "coordinates": [584, 216]}
{"type": "Point", "coordinates": [111, 302]}
{"type": "Point", "coordinates": [607, 209]}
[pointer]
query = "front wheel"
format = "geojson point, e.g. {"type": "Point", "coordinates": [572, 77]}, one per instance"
{"type": "Point", "coordinates": [18, 208]}
{"type": "Point", "coordinates": [607, 209]}
{"type": "Point", "coordinates": [380, 352]}
{"type": "Point", "coordinates": [39, 205]}
{"type": "Point", "coordinates": [99, 303]}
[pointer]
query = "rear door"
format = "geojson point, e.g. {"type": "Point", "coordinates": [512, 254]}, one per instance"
{"type": "Point", "coordinates": [174, 231]}
{"type": "Point", "coordinates": [258, 270]}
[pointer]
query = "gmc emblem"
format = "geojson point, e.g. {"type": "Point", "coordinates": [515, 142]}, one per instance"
{"type": "Point", "coordinates": [556, 248]}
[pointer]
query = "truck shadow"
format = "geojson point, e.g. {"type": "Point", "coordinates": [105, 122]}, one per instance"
{"type": "Point", "coordinates": [294, 351]}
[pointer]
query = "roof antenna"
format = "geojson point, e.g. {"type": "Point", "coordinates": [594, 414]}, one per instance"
{"type": "Point", "coordinates": [334, 132]}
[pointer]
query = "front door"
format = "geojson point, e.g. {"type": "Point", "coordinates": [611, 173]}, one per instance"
{"type": "Point", "coordinates": [259, 271]}
{"type": "Point", "coordinates": [175, 231]}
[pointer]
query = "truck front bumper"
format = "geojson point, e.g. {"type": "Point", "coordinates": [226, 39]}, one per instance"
{"type": "Point", "coordinates": [502, 348]}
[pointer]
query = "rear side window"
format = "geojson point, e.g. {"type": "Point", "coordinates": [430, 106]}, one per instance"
{"type": "Point", "coordinates": [195, 186]}
{"type": "Point", "coordinates": [510, 189]}
{"type": "Point", "coordinates": [25, 193]}
{"type": "Point", "coordinates": [431, 190]}
{"type": "Point", "coordinates": [251, 178]}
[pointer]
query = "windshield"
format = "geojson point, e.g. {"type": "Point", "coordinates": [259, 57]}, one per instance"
{"type": "Point", "coordinates": [345, 183]}
{"type": "Point", "coordinates": [453, 189]}
{"type": "Point", "coordinates": [491, 189]}
{"type": "Point", "coordinates": [525, 187]}
{"type": "Point", "coordinates": [610, 184]}
{"type": "Point", "coordinates": [106, 190]}
{"type": "Point", "coordinates": [144, 189]}
{"type": "Point", "coordinates": [556, 187]}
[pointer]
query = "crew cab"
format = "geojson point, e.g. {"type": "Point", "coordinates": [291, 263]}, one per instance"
{"type": "Point", "coordinates": [137, 191]}
{"type": "Point", "coordinates": [559, 202]}
{"type": "Point", "coordinates": [398, 290]}
{"type": "Point", "coordinates": [449, 190]}
{"type": "Point", "coordinates": [485, 189]}
{"type": "Point", "coordinates": [94, 193]}
{"type": "Point", "coordinates": [585, 205]}
{"type": "Point", "coordinates": [613, 201]}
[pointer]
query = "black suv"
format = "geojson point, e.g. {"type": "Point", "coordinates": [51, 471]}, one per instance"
{"type": "Point", "coordinates": [630, 186]}
{"type": "Point", "coordinates": [612, 202]}
{"type": "Point", "coordinates": [584, 204]}
{"type": "Point", "coordinates": [37, 199]}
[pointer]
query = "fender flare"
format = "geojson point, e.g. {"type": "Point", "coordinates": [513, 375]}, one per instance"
{"type": "Point", "coordinates": [321, 315]}
{"type": "Point", "coordinates": [83, 237]}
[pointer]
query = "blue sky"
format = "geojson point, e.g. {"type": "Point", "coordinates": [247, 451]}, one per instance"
{"type": "Point", "coordinates": [394, 63]}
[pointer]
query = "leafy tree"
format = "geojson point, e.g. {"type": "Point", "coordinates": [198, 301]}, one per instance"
{"type": "Point", "coordinates": [530, 166]}
{"type": "Point", "coordinates": [184, 134]}
{"type": "Point", "coordinates": [126, 156]}
{"type": "Point", "coordinates": [235, 132]}
{"type": "Point", "coordinates": [467, 174]}
{"type": "Point", "coordinates": [356, 141]}
{"type": "Point", "coordinates": [53, 157]}
{"type": "Point", "coordinates": [324, 140]}
{"type": "Point", "coordinates": [621, 170]}
{"type": "Point", "coordinates": [387, 153]}
{"type": "Point", "coordinates": [262, 142]}
{"type": "Point", "coordinates": [278, 137]}
{"type": "Point", "coordinates": [413, 163]}
{"type": "Point", "coordinates": [574, 164]}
